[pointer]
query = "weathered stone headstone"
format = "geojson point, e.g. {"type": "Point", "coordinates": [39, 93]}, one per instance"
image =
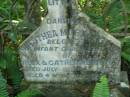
{"type": "Point", "coordinates": [68, 48]}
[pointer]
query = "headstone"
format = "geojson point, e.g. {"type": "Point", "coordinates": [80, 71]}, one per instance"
{"type": "Point", "coordinates": [69, 48]}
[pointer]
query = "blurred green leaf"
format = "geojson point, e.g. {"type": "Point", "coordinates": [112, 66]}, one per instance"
{"type": "Point", "coordinates": [126, 56]}
{"type": "Point", "coordinates": [3, 87]}
{"type": "Point", "coordinates": [3, 63]}
{"type": "Point", "coordinates": [13, 68]}
{"type": "Point", "coordinates": [12, 36]}
{"type": "Point", "coordinates": [10, 55]}
{"type": "Point", "coordinates": [126, 48]}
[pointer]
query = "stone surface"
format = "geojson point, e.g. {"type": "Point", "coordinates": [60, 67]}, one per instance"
{"type": "Point", "coordinates": [124, 80]}
{"type": "Point", "coordinates": [65, 91]}
{"type": "Point", "coordinates": [116, 93]}
{"type": "Point", "coordinates": [68, 48]}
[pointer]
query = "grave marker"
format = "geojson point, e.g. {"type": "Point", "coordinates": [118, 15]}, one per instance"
{"type": "Point", "coordinates": [68, 47]}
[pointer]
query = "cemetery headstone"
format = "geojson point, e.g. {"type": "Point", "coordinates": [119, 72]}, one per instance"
{"type": "Point", "coordinates": [69, 48]}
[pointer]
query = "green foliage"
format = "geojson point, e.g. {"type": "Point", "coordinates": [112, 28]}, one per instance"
{"type": "Point", "coordinates": [11, 58]}
{"type": "Point", "coordinates": [2, 63]}
{"type": "Point", "coordinates": [12, 36]}
{"type": "Point", "coordinates": [11, 13]}
{"type": "Point", "coordinates": [102, 88]}
{"type": "Point", "coordinates": [29, 93]}
{"type": "Point", "coordinates": [126, 48]}
{"type": "Point", "coordinates": [9, 63]}
{"type": "Point", "coordinates": [3, 87]}
{"type": "Point", "coordinates": [126, 56]}
{"type": "Point", "coordinates": [114, 16]}
{"type": "Point", "coordinates": [108, 14]}
{"type": "Point", "coordinates": [95, 9]}
{"type": "Point", "coordinates": [44, 5]}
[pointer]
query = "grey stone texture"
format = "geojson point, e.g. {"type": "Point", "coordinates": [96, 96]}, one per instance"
{"type": "Point", "coordinates": [69, 48]}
